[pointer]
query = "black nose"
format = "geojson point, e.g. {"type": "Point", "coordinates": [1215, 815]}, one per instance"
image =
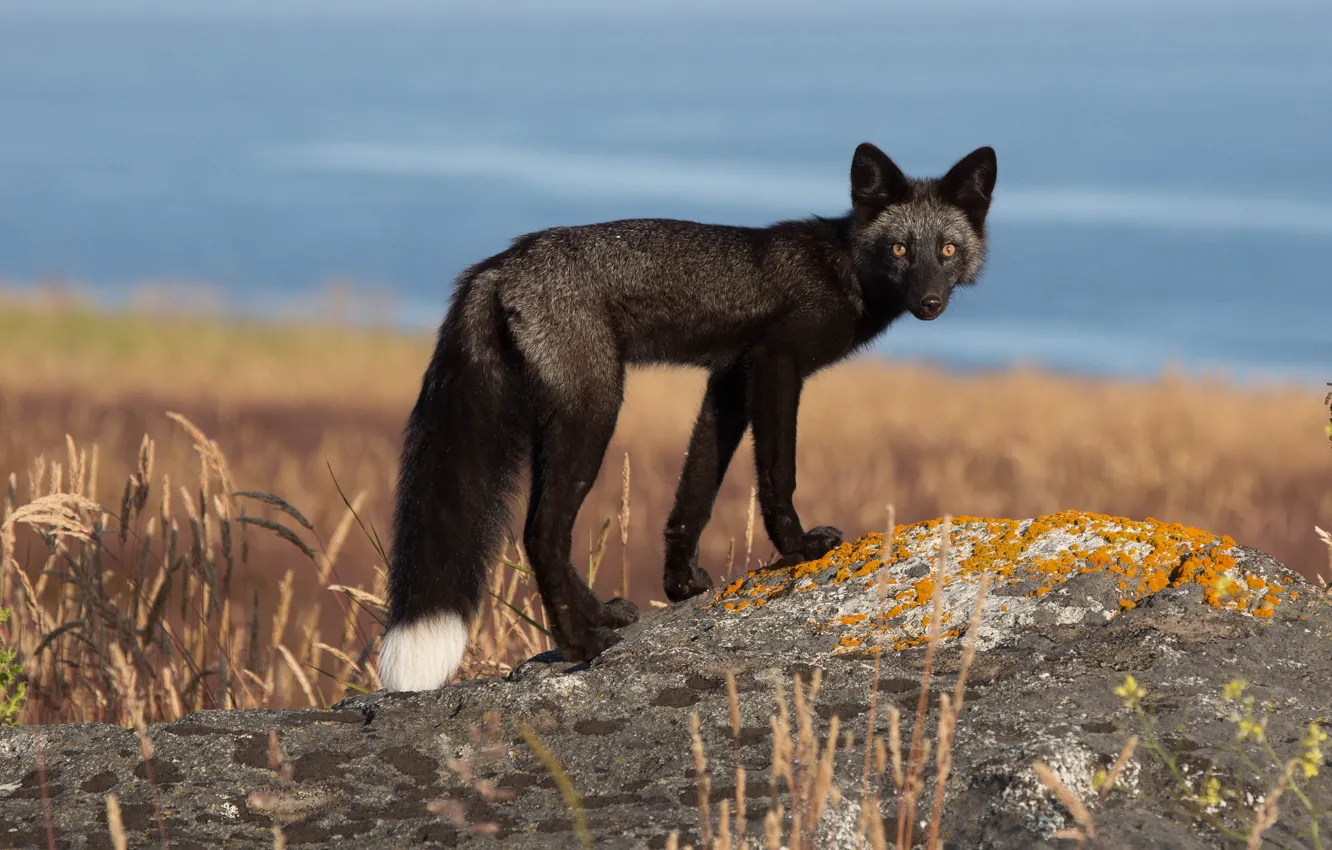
{"type": "Point", "coordinates": [931, 304]}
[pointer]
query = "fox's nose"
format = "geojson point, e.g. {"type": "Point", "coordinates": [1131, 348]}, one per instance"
{"type": "Point", "coordinates": [931, 304]}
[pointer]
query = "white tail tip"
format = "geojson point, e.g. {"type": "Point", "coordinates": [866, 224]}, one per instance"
{"type": "Point", "coordinates": [422, 655]}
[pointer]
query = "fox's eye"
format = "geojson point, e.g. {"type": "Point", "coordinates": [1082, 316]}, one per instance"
{"type": "Point", "coordinates": [949, 249]}
{"type": "Point", "coordinates": [899, 249]}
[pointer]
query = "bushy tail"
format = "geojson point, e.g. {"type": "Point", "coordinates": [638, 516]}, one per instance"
{"type": "Point", "coordinates": [461, 452]}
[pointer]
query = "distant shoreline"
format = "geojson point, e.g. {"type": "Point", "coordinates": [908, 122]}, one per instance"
{"type": "Point", "coordinates": [354, 309]}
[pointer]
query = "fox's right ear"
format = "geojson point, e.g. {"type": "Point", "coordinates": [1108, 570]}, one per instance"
{"type": "Point", "coordinates": [876, 182]}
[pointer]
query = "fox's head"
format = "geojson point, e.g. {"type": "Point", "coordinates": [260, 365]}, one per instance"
{"type": "Point", "coordinates": [920, 237]}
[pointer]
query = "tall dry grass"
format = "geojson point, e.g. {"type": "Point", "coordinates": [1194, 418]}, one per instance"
{"type": "Point", "coordinates": [288, 409]}
{"type": "Point", "coordinates": [132, 611]}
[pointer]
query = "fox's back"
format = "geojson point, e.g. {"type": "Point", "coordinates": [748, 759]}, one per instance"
{"type": "Point", "coordinates": [672, 290]}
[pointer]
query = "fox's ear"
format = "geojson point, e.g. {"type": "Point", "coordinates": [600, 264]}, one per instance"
{"type": "Point", "coordinates": [876, 181]}
{"type": "Point", "coordinates": [970, 183]}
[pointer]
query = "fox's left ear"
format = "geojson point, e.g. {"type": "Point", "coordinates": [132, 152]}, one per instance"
{"type": "Point", "coordinates": [970, 183]}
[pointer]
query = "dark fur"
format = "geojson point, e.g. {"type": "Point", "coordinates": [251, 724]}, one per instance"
{"type": "Point", "coordinates": [530, 363]}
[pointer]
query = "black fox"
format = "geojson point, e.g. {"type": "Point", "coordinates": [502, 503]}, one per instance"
{"type": "Point", "coordinates": [530, 363]}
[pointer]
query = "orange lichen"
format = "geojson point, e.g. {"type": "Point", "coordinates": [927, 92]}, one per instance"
{"type": "Point", "coordinates": [924, 590]}
{"type": "Point", "coordinates": [1147, 557]}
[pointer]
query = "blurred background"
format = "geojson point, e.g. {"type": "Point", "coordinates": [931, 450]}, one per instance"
{"type": "Point", "coordinates": [1160, 194]}
{"type": "Point", "coordinates": [251, 213]}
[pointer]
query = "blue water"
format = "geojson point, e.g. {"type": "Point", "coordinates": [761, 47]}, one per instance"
{"type": "Point", "coordinates": [1164, 190]}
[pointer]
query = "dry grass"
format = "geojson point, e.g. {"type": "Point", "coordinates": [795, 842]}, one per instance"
{"type": "Point", "coordinates": [62, 345]}
{"type": "Point", "coordinates": [136, 614]}
{"type": "Point", "coordinates": [278, 409]}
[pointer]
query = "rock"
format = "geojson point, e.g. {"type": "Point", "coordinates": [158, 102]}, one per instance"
{"type": "Point", "coordinates": [1077, 602]}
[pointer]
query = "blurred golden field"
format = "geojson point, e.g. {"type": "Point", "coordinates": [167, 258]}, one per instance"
{"type": "Point", "coordinates": [291, 406]}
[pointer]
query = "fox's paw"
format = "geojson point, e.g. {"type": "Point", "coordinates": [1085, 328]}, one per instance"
{"type": "Point", "coordinates": [813, 544]}
{"type": "Point", "coordinates": [681, 585]}
{"type": "Point", "coordinates": [618, 613]}
{"type": "Point", "coordinates": [588, 643]}
{"type": "Point", "coordinates": [819, 541]}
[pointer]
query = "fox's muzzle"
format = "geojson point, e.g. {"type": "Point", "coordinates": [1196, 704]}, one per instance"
{"type": "Point", "coordinates": [929, 307]}
{"type": "Point", "coordinates": [927, 303]}
{"type": "Point", "coordinates": [927, 290]}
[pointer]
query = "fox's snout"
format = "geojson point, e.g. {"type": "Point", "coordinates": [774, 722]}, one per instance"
{"type": "Point", "coordinates": [930, 307]}
{"type": "Point", "coordinates": [928, 303]}
{"type": "Point", "coordinates": [926, 289]}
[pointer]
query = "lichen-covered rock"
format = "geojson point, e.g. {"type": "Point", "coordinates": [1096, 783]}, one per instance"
{"type": "Point", "coordinates": [1127, 563]}
{"type": "Point", "coordinates": [1076, 602]}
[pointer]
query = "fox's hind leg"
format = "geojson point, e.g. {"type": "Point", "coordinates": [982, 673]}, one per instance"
{"type": "Point", "coordinates": [569, 443]}
{"type": "Point", "coordinates": [717, 432]}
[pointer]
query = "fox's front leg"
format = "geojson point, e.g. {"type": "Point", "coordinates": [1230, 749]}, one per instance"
{"type": "Point", "coordinates": [717, 432]}
{"type": "Point", "coordinates": [775, 383]}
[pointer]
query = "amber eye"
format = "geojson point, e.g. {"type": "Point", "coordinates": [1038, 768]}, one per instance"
{"type": "Point", "coordinates": [949, 249]}
{"type": "Point", "coordinates": [899, 250]}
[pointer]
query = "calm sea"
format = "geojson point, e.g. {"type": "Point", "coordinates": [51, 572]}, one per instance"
{"type": "Point", "coordinates": [1164, 193]}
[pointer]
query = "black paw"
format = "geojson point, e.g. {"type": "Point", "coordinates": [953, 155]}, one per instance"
{"type": "Point", "coordinates": [819, 541]}
{"type": "Point", "coordinates": [681, 585]}
{"type": "Point", "coordinates": [618, 613]}
{"type": "Point", "coordinates": [589, 643]}
{"type": "Point", "coordinates": [813, 544]}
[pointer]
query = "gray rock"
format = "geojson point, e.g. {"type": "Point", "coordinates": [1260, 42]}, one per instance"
{"type": "Point", "coordinates": [1077, 603]}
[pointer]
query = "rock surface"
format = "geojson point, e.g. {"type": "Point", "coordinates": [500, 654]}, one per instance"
{"type": "Point", "coordinates": [1077, 602]}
